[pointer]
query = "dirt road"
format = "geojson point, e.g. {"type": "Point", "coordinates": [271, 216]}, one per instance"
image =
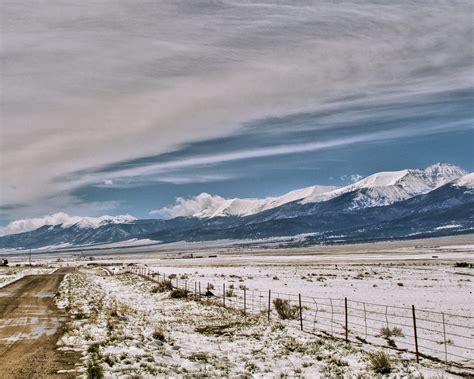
{"type": "Point", "coordinates": [30, 325]}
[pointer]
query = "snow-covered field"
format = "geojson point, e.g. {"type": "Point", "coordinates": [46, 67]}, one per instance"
{"type": "Point", "coordinates": [125, 327]}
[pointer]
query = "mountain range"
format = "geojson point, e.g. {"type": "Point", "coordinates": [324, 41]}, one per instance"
{"type": "Point", "coordinates": [435, 201]}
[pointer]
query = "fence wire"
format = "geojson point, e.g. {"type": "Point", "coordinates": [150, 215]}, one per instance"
{"type": "Point", "coordinates": [439, 336]}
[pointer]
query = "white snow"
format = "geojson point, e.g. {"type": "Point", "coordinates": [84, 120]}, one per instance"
{"type": "Point", "coordinates": [385, 188]}
{"type": "Point", "coordinates": [207, 206]}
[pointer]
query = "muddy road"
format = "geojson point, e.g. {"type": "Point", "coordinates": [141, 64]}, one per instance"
{"type": "Point", "coordinates": [30, 326]}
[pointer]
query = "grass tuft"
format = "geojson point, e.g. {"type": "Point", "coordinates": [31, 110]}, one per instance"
{"type": "Point", "coordinates": [380, 362]}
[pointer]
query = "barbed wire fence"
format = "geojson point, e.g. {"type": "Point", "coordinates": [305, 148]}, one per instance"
{"type": "Point", "coordinates": [438, 336]}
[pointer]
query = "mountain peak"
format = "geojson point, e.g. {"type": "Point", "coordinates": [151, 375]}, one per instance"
{"type": "Point", "coordinates": [387, 187]}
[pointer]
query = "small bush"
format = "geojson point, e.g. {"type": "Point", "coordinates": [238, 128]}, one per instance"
{"type": "Point", "coordinates": [285, 310]}
{"type": "Point", "coordinates": [94, 370]}
{"type": "Point", "coordinates": [163, 286]}
{"type": "Point", "coordinates": [380, 362]}
{"type": "Point", "coordinates": [93, 348]}
{"type": "Point", "coordinates": [172, 276]}
{"type": "Point", "coordinates": [386, 332]}
{"type": "Point", "coordinates": [159, 335]}
{"type": "Point", "coordinates": [178, 293]}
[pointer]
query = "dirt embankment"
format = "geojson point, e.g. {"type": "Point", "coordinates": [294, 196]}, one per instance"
{"type": "Point", "coordinates": [30, 326]}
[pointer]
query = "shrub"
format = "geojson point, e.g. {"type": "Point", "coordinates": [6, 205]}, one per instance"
{"type": "Point", "coordinates": [93, 348]}
{"type": "Point", "coordinates": [380, 362]}
{"type": "Point", "coordinates": [285, 310]}
{"type": "Point", "coordinates": [386, 332]}
{"type": "Point", "coordinates": [94, 370]}
{"type": "Point", "coordinates": [159, 335]}
{"type": "Point", "coordinates": [172, 276]}
{"type": "Point", "coordinates": [178, 293]}
{"type": "Point", "coordinates": [163, 286]}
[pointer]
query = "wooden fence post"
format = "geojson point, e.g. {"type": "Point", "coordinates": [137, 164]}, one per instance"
{"type": "Point", "coordinates": [347, 328]}
{"type": "Point", "coordinates": [199, 291]}
{"type": "Point", "coordinates": [301, 312]}
{"type": "Point", "coordinates": [416, 336]}
{"type": "Point", "coordinates": [223, 294]}
{"type": "Point", "coordinates": [269, 303]}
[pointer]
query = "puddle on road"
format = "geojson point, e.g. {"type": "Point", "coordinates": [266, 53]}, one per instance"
{"type": "Point", "coordinates": [23, 328]}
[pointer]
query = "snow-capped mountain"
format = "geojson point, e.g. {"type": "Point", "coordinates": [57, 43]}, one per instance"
{"type": "Point", "coordinates": [385, 188]}
{"type": "Point", "coordinates": [379, 189]}
{"type": "Point", "coordinates": [438, 200]}
{"type": "Point", "coordinates": [210, 206]}
{"type": "Point", "coordinates": [65, 221]}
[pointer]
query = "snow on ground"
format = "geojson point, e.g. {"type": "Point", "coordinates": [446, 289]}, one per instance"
{"type": "Point", "coordinates": [127, 328]}
{"type": "Point", "coordinates": [428, 286]}
{"type": "Point", "coordinates": [14, 273]}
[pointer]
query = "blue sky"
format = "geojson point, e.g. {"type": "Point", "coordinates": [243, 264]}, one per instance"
{"type": "Point", "coordinates": [116, 107]}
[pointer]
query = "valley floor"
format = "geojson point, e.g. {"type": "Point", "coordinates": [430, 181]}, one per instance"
{"type": "Point", "coordinates": [125, 326]}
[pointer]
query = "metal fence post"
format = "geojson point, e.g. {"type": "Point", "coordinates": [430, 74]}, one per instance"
{"type": "Point", "coordinates": [346, 317]}
{"type": "Point", "coordinates": [445, 342]}
{"type": "Point", "coordinates": [416, 336]}
{"type": "Point", "coordinates": [245, 300]}
{"type": "Point", "coordinates": [269, 303]}
{"type": "Point", "coordinates": [301, 311]}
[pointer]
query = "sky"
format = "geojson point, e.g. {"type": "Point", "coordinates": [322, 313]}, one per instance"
{"type": "Point", "coordinates": [120, 107]}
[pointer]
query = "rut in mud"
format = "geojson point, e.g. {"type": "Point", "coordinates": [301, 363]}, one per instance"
{"type": "Point", "coordinates": [30, 326]}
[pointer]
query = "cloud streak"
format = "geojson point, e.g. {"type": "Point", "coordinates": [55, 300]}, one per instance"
{"type": "Point", "coordinates": [87, 85]}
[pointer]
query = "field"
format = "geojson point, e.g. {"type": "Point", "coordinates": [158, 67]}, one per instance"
{"type": "Point", "coordinates": [125, 320]}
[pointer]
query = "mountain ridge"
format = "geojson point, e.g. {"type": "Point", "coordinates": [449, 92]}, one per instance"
{"type": "Point", "coordinates": [443, 203]}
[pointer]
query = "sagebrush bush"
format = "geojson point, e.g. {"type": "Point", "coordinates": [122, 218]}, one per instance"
{"type": "Point", "coordinates": [380, 362]}
{"type": "Point", "coordinates": [94, 370]}
{"type": "Point", "coordinates": [386, 332]}
{"type": "Point", "coordinates": [158, 334]}
{"type": "Point", "coordinates": [285, 310]}
{"type": "Point", "coordinates": [163, 286]}
{"type": "Point", "coordinates": [178, 293]}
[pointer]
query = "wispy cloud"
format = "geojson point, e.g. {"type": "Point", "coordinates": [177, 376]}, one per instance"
{"type": "Point", "coordinates": [90, 84]}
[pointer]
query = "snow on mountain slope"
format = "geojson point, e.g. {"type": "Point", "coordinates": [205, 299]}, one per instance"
{"type": "Point", "coordinates": [385, 188]}
{"type": "Point", "coordinates": [208, 206]}
{"type": "Point", "coordinates": [60, 218]}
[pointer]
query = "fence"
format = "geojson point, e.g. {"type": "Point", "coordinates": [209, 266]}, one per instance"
{"type": "Point", "coordinates": [438, 336]}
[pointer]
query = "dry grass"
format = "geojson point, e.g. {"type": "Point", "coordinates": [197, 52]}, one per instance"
{"type": "Point", "coordinates": [380, 362]}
